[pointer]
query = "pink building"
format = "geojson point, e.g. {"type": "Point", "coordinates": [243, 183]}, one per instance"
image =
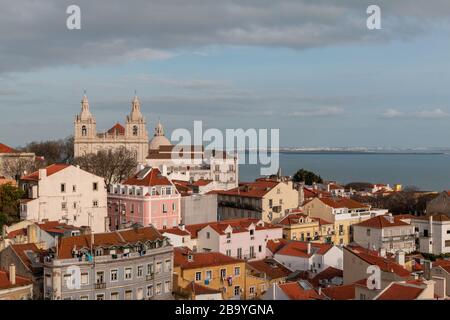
{"type": "Point", "coordinates": [146, 198]}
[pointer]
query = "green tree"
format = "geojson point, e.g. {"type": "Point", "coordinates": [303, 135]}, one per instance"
{"type": "Point", "coordinates": [307, 177]}
{"type": "Point", "coordinates": [9, 203]}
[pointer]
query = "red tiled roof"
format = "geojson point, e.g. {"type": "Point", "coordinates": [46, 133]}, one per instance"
{"type": "Point", "coordinates": [153, 178]}
{"type": "Point", "coordinates": [117, 129]}
{"type": "Point", "coordinates": [5, 283]}
{"type": "Point", "coordinates": [198, 289]}
{"type": "Point", "coordinates": [385, 264]}
{"type": "Point", "coordinates": [117, 238]}
{"type": "Point", "coordinates": [271, 268]}
{"type": "Point", "coordinates": [295, 292]}
{"type": "Point", "coordinates": [327, 274]}
{"type": "Point", "coordinates": [21, 251]}
{"type": "Point", "coordinates": [346, 292]}
{"type": "Point", "coordinates": [315, 193]}
{"type": "Point", "coordinates": [322, 221]}
{"type": "Point", "coordinates": [256, 189]}
{"type": "Point", "coordinates": [334, 186]}
{"type": "Point", "coordinates": [399, 291]}
{"type": "Point", "coordinates": [52, 169]}
{"type": "Point", "coordinates": [201, 259]}
{"type": "Point", "coordinates": [56, 227]}
{"type": "Point", "coordinates": [300, 249]}
{"type": "Point", "coordinates": [340, 202]}
{"type": "Point", "coordinates": [5, 149]}
{"type": "Point", "coordinates": [176, 231]}
{"type": "Point", "coordinates": [15, 233]}
{"type": "Point", "coordinates": [275, 245]}
{"type": "Point", "coordinates": [293, 218]}
{"type": "Point", "coordinates": [384, 221]}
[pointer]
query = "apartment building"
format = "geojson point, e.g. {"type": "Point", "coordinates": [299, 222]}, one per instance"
{"type": "Point", "coordinates": [343, 213]}
{"type": "Point", "coordinates": [130, 264]}
{"type": "Point", "coordinates": [385, 232]}
{"type": "Point", "coordinates": [67, 194]}
{"type": "Point", "coordinates": [239, 238]}
{"type": "Point", "coordinates": [13, 286]}
{"type": "Point", "coordinates": [433, 231]}
{"type": "Point", "coordinates": [298, 226]}
{"type": "Point", "coordinates": [265, 199]}
{"type": "Point", "coordinates": [146, 198]}
{"type": "Point", "coordinates": [211, 270]}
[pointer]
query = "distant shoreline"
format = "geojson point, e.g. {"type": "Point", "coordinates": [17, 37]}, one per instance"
{"type": "Point", "coordinates": [349, 152]}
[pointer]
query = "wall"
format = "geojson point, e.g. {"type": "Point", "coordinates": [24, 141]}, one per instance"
{"type": "Point", "coordinates": [199, 209]}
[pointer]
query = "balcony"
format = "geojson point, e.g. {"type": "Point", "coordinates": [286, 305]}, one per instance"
{"type": "Point", "coordinates": [100, 285]}
{"type": "Point", "coordinates": [150, 277]}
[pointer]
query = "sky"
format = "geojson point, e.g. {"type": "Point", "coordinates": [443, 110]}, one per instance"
{"type": "Point", "coordinates": [309, 68]}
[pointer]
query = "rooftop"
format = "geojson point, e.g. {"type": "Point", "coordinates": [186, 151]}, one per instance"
{"type": "Point", "coordinates": [52, 169]}
{"type": "Point", "coordinates": [385, 221]}
{"type": "Point", "coordinates": [187, 259]}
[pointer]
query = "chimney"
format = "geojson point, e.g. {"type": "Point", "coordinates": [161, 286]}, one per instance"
{"type": "Point", "coordinates": [314, 186]}
{"type": "Point", "coordinates": [328, 187]}
{"type": "Point", "coordinates": [309, 248]}
{"type": "Point", "coordinates": [320, 291]}
{"type": "Point", "coordinates": [42, 173]}
{"type": "Point", "coordinates": [182, 227]}
{"type": "Point", "coordinates": [400, 258]}
{"type": "Point", "coordinates": [12, 274]}
{"type": "Point", "coordinates": [431, 226]}
{"type": "Point", "coordinates": [164, 170]}
{"type": "Point", "coordinates": [427, 269]}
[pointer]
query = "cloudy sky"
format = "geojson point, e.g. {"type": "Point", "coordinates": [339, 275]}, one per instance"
{"type": "Point", "coordinates": [310, 68]}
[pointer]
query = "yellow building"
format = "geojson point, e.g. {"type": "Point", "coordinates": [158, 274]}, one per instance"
{"type": "Point", "coordinates": [298, 226]}
{"type": "Point", "coordinates": [211, 270]}
{"type": "Point", "coordinates": [265, 199]}
{"type": "Point", "coordinates": [343, 213]}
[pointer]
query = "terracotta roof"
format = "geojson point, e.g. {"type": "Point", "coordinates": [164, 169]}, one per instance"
{"type": "Point", "coordinates": [176, 231]}
{"type": "Point", "coordinates": [334, 186]}
{"type": "Point", "coordinates": [300, 249]}
{"type": "Point", "coordinates": [52, 169]}
{"type": "Point", "coordinates": [385, 264]}
{"type": "Point", "coordinates": [444, 264]}
{"type": "Point", "coordinates": [5, 283]}
{"type": "Point", "coordinates": [56, 227]}
{"type": "Point", "coordinates": [436, 217]}
{"type": "Point", "coordinates": [400, 291]}
{"type": "Point", "coordinates": [152, 178]}
{"type": "Point", "coordinates": [256, 189]}
{"type": "Point", "coordinates": [270, 267]}
{"type": "Point", "coordinates": [323, 221]}
{"type": "Point", "coordinates": [15, 233]}
{"type": "Point", "coordinates": [384, 221]}
{"type": "Point", "coordinates": [5, 149]}
{"type": "Point", "coordinates": [117, 238]}
{"type": "Point", "coordinates": [327, 274]}
{"type": "Point", "coordinates": [117, 129]}
{"type": "Point", "coordinates": [293, 218]}
{"type": "Point", "coordinates": [21, 251]}
{"type": "Point", "coordinates": [198, 289]}
{"type": "Point", "coordinates": [346, 292]}
{"type": "Point", "coordinates": [201, 259]}
{"type": "Point", "coordinates": [295, 292]}
{"type": "Point", "coordinates": [340, 202]}
{"type": "Point", "coordinates": [275, 245]}
{"type": "Point", "coordinates": [315, 193]}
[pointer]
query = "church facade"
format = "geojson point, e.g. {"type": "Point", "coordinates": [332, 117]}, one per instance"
{"type": "Point", "coordinates": [133, 136]}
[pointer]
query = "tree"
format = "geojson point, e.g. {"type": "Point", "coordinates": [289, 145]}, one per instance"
{"type": "Point", "coordinates": [359, 186]}
{"type": "Point", "coordinates": [53, 151]}
{"type": "Point", "coordinates": [113, 166]}
{"type": "Point", "coordinates": [307, 177]}
{"type": "Point", "coordinates": [17, 167]}
{"type": "Point", "coordinates": [10, 196]}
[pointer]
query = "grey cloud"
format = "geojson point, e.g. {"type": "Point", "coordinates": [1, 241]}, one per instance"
{"type": "Point", "coordinates": [424, 114]}
{"type": "Point", "coordinates": [33, 33]}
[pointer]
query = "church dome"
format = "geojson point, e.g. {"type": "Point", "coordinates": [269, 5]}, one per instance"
{"type": "Point", "coordinates": [159, 139]}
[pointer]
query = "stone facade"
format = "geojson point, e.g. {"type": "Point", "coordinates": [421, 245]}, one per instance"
{"type": "Point", "coordinates": [133, 136]}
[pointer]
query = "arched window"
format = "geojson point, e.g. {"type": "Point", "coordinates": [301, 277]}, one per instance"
{"type": "Point", "coordinates": [135, 131]}
{"type": "Point", "coordinates": [83, 131]}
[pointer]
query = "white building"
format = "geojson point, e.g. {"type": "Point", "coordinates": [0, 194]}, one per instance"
{"type": "Point", "coordinates": [385, 232]}
{"type": "Point", "coordinates": [307, 256]}
{"type": "Point", "coordinates": [67, 194]}
{"type": "Point", "coordinates": [434, 233]}
{"type": "Point", "coordinates": [239, 238]}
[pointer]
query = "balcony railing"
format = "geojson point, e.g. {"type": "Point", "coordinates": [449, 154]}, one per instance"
{"type": "Point", "coordinates": [100, 285]}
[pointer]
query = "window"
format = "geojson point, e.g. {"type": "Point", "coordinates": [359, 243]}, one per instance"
{"type": "Point", "coordinates": [100, 277]}
{"type": "Point", "coordinates": [101, 296]}
{"type": "Point", "coordinates": [132, 208]}
{"type": "Point", "coordinates": [135, 130]}
{"type": "Point", "coordinates": [140, 271]}
{"type": "Point", "coordinates": [128, 273]}
{"type": "Point", "coordinates": [167, 265]}
{"type": "Point", "coordinates": [168, 190]}
{"type": "Point", "coordinates": [74, 188]}
{"type": "Point", "coordinates": [153, 191]}
{"type": "Point", "coordinates": [252, 251]}
{"type": "Point", "coordinates": [74, 205]}
{"type": "Point", "coordinates": [164, 208]}
{"type": "Point", "coordinates": [208, 235]}
{"type": "Point", "coordinates": [159, 267]}
{"type": "Point", "coordinates": [198, 276]}
{"type": "Point", "coordinates": [208, 275]}
{"type": "Point", "coordinates": [83, 131]}
{"type": "Point", "coordinates": [237, 290]}
{"type": "Point", "coordinates": [149, 268]}
{"type": "Point", "coordinates": [167, 286]}
{"type": "Point", "coordinates": [239, 253]}
{"type": "Point", "coordinates": [128, 294]}
{"type": "Point", "coordinates": [362, 296]}
{"type": "Point", "coordinates": [84, 297]}
{"type": "Point", "coordinates": [259, 248]}
{"type": "Point", "coordinates": [228, 252]}
{"type": "Point", "coordinates": [252, 232]}
{"type": "Point", "coordinates": [270, 203]}
{"type": "Point", "coordinates": [237, 271]}
{"type": "Point", "coordinates": [63, 205]}
{"type": "Point", "coordinates": [174, 207]}
{"type": "Point", "coordinates": [368, 232]}
{"type": "Point", "coordinates": [84, 278]}
{"type": "Point", "coordinates": [63, 187]}
{"type": "Point", "coordinates": [158, 288]}
{"type": "Point", "coordinates": [149, 291]}
{"type": "Point", "coordinates": [223, 273]}
{"type": "Point", "coordinates": [113, 275]}
{"type": "Point", "coordinates": [228, 235]}
{"type": "Point", "coordinates": [95, 186]}
{"type": "Point", "coordinates": [252, 290]}
{"type": "Point", "coordinates": [95, 203]}
{"type": "Point", "coordinates": [114, 296]}
{"type": "Point", "coordinates": [140, 294]}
